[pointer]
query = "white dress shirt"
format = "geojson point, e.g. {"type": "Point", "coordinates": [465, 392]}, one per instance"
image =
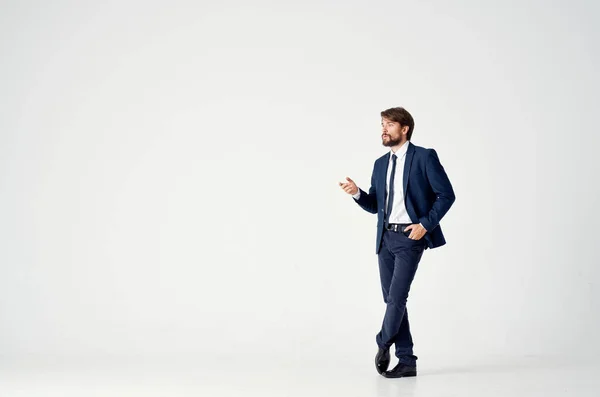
{"type": "Point", "coordinates": [399, 213]}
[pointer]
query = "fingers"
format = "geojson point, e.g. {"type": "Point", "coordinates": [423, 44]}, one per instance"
{"type": "Point", "coordinates": [350, 183]}
{"type": "Point", "coordinates": [417, 231]}
{"type": "Point", "coordinates": [348, 187]}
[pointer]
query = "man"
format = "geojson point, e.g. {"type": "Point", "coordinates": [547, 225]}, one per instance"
{"type": "Point", "coordinates": [410, 193]}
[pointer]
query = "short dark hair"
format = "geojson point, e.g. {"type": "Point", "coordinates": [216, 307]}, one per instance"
{"type": "Point", "coordinates": [401, 116]}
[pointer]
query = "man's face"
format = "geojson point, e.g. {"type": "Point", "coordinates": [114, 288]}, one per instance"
{"type": "Point", "coordinates": [391, 132]}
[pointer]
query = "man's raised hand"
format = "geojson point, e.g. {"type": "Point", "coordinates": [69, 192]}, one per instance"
{"type": "Point", "coordinates": [349, 187]}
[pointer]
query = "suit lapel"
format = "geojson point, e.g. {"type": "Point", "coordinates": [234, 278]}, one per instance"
{"type": "Point", "coordinates": [410, 151]}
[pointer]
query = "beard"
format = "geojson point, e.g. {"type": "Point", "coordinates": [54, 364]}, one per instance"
{"type": "Point", "coordinates": [389, 142]}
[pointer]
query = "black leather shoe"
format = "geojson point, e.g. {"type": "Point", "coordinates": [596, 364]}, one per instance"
{"type": "Point", "coordinates": [401, 371]}
{"type": "Point", "coordinates": [382, 360]}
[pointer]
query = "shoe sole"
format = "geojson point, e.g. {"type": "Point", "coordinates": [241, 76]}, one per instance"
{"type": "Point", "coordinates": [404, 375]}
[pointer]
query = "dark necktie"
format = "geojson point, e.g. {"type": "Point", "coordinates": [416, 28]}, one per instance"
{"type": "Point", "coordinates": [391, 190]}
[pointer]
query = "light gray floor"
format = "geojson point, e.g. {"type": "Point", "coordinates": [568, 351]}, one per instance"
{"type": "Point", "coordinates": [533, 376]}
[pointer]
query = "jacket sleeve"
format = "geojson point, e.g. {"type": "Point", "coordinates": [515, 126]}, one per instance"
{"type": "Point", "coordinates": [368, 201]}
{"type": "Point", "coordinates": [441, 186]}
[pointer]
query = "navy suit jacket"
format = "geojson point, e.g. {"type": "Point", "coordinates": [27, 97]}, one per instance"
{"type": "Point", "coordinates": [428, 194]}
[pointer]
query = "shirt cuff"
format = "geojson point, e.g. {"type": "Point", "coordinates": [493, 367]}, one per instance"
{"type": "Point", "coordinates": [357, 195]}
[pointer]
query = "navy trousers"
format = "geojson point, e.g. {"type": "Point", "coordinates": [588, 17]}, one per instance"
{"type": "Point", "coordinates": [398, 261]}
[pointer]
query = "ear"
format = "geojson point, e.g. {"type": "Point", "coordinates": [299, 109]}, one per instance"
{"type": "Point", "coordinates": [405, 130]}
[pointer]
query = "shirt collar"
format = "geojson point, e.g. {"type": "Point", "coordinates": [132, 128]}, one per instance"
{"type": "Point", "coordinates": [401, 151]}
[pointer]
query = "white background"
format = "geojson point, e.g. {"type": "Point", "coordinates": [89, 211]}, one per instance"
{"type": "Point", "coordinates": [169, 178]}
